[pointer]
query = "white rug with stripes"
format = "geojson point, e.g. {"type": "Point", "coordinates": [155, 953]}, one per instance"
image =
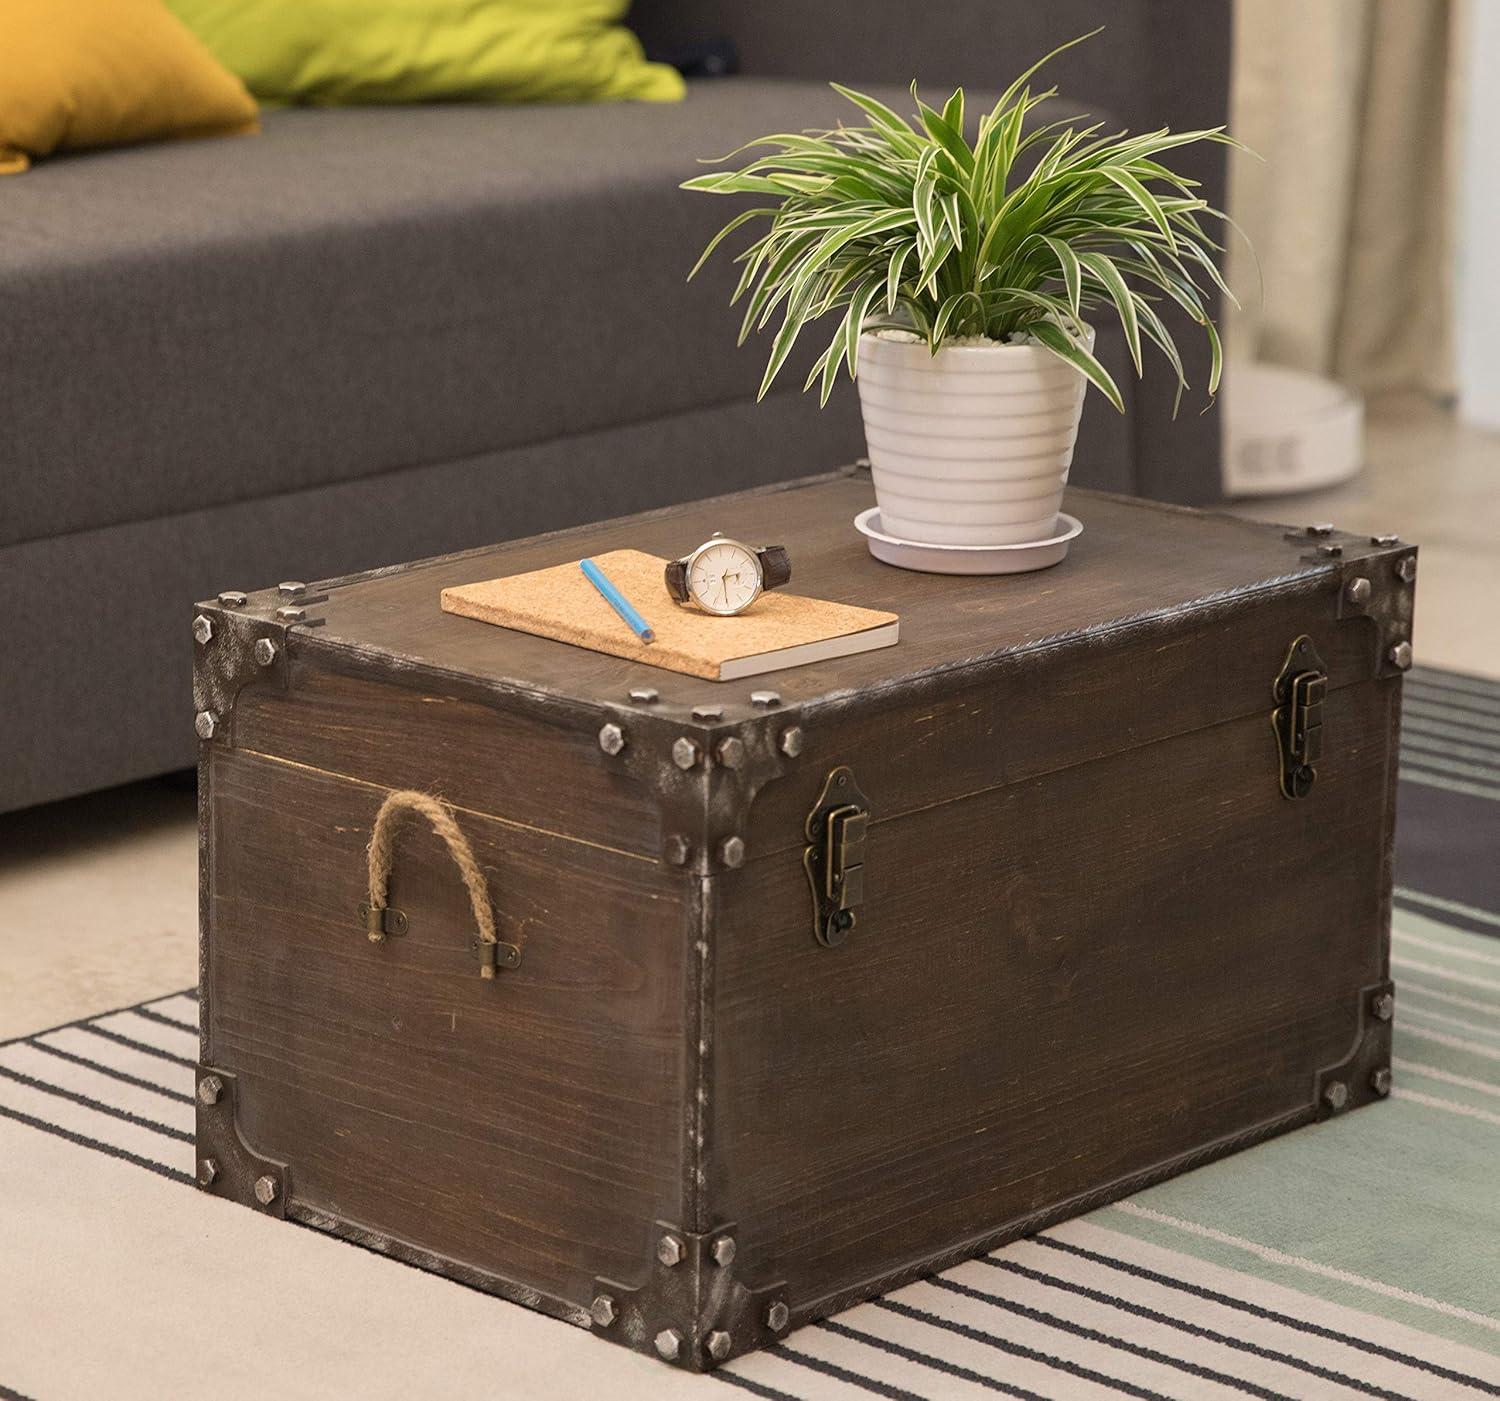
{"type": "Point", "coordinates": [1360, 1257]}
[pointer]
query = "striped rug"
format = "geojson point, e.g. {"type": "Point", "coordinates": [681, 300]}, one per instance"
{"type": "Point", "coordinates": [1360, 1257]}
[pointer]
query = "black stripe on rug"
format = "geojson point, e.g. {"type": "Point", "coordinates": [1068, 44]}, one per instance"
{"type": "Point", "coordinates": [1447, 838]}
{"type": "Point", "coordinates": [124, 1077]}
{"type": "Point", "coordinates": [1110, 1340]}
{"type": "Point", "coordinates": [1031, 1354]}
{"type": "Point", "coordinates": [191, 992]}
{"type": "Point", "coordinates": [754, 1388]}
{"type": "Point", "coordinates": [842, 1374]}
{"type": "Point", "coordinates": [130, 1043]}
{"type": "Point", "coordinates": [1466, 917]}
{"type": "Point", "coordinates": [926, 1359]}
{"type": "Point", "coordinates": [1195, 1330]}
{"type": "Point", "coordinates": [95, 1105]}
{"type": "Point", "coordinates": [83, 1141]}
{"type": "Point", "coordinates": [162, 1020]}
{"type": "Point", "coordinates": [1301, 1325]}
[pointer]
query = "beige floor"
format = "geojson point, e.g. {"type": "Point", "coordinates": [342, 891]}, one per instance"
{"type": "Point", "coordinates": [98, 904]}
{"type": "Point", "coordinates": [1436, 483]}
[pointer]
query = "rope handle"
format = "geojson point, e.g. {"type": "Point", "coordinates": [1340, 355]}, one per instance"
{"type": "Point", "coordinates": [380, 920]}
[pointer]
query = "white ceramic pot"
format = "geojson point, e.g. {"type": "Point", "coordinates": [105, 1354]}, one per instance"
{"type": "Point", "coordinates": [970, 446]}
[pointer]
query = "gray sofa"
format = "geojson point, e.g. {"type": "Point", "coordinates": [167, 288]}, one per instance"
{"type": "Point", "coordinates": [369, 335]}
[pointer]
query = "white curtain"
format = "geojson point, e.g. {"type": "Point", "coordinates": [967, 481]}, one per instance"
{"type": "Point", "coordinates": [1352, 106]}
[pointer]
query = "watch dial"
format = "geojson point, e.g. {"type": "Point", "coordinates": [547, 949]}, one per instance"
{"type": "Point", "coordinates": [723, 578]}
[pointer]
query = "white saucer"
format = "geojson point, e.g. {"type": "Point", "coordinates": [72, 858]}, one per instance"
{"type": "Point", "coordinates": [968, 559]}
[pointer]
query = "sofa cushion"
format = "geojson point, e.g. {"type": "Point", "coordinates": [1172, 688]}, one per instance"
{"type": "Point", "coordinates": [352, 51]}
{"type": "Point", "coordinates": [361, 291]}
{"type": "Point", "coordinates": [78, 73]}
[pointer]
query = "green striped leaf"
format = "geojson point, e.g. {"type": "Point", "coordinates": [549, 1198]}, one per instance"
{"type": "Point", "coordinates": [903, 222]}
{"type": "Point", "coordinates": [1054, 338]}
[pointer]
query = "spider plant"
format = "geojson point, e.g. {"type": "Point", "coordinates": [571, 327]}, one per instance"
{"type": "Point", "coordinates": [1023, 233]}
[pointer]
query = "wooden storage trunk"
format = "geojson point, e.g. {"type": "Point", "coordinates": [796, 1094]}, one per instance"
{"type": "Point", "coordinates": [1080, 914]}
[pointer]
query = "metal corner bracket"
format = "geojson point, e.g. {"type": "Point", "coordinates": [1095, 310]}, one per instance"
{"type": "Point", "coordinates": [692, 1311]}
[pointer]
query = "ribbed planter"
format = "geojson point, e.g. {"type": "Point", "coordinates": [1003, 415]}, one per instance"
{"type": "Point", "coordinates": [970, 446]}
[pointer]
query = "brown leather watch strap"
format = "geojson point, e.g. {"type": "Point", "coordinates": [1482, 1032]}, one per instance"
{"type": "Point", "coordinates": [775, 566]}
{"type": "Point", "coordinates": [676, 573]}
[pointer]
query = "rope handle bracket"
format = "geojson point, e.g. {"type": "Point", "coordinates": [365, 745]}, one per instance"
{"type": "Point", "coordinates": [381, 921]}
{"type": "Point", "coordinates": [492, 955]}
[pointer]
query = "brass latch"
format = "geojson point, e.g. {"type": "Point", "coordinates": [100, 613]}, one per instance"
{"type": "Point", "coordinates": [1298, 718]}
{"type": "Point", "coordinates": [835, 855]}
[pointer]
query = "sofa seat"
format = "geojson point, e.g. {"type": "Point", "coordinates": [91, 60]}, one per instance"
{"type": "Point", "coordinates": [357, 292]}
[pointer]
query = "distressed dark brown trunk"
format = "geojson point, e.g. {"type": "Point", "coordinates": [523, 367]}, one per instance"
{"type": "Point", "coordinates": [1096, 943]}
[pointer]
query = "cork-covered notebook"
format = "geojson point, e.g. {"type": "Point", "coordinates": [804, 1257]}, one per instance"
{"type": "Point", "coordinates": [780, 630]}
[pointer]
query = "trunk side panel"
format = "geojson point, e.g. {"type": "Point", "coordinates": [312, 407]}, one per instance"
{"type": "Point", "coordinates": [531, 1127]}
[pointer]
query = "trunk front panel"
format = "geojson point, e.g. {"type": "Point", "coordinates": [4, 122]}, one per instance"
{"type": "Point", "coordinates": [1052, 986]}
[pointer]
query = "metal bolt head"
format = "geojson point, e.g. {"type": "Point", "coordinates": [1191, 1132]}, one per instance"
{"type": "Point", "coordinates": [205, 722]}
{"type": "Point", "coordinates": [732, 852]}
{"type": "Point", "coordinates": [644, 695]}
{"type": "Point", "coordinates": [1323, 528]}
{"type": "Point", "coordinates": [291, 588]}
{"type": "Point", "coordinates": [791, 741]}
{"type": "Point", "coordinates": [1406, 568]}
{"type": "Point", "coordinates": [291, 615]}
{"type": "Point", "coordinates": [676, 849]}
{"type": "Point", "coordinates": [266, 1189]}
{"type": "Point", "coordinates": [719, 1344]}
{"type": "Point", "coordinates": [765, 700]}
{"type": "Point", "coordinates": [603, 1310]}
{"type": "Point", "coordinates": [669, 1251]}
{"type": "Point", "coordinates": [611, 739]}
{"type": "Point", "coordinates": [232, 598]}
{"type": "Point", "coordinates": [778, 1316]}
{"type": "Point", "coordinates": [723, 1251]}
{"type": "Point", "coordinates": [203, 629]}
{"type": "Point", "coordinates": [1383, 1006]}
{"type": "Point", "coordinates": [1400, 656]}
{"type": "Point", "coordinates": [708, 712]}
{"type": "Point", "coordinates": [731, 752]}
{"type": "Point", "coordinates": [1385, 539]}
{"type": "Point", "coordinates": [1330, 551]}
{"type": "Point", "coordinates": [1357, 591]}
{"type": "Point", "coordinates": [208, 1169]}
{"type": "Point", "coordinates": [265, 651]}
{"type": "Point", "coordinates": [1336, 1095]}
{"type": "Point", "coordinates": [668, 1344]}
{"type": "Point", "coordinates": [210, 1087]}
{"type": "Point", "coordinates": [1380, 1081]}
{"type": "Point", "coordinates": [684, 752]}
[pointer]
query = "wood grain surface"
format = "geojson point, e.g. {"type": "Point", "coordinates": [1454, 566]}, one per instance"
{"type": "Point", "coordinates": [1096, 944]}
{"type": "Point", "coordinates": [532, 1125]}
{"type": "Point", "coordinates": [1135, 559]}
{"type": "Point", "coordinates": [1051, 985]}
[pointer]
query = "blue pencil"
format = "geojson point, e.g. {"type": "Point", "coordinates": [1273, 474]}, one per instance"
{"type": "Point", "coordinates": [617, 600]}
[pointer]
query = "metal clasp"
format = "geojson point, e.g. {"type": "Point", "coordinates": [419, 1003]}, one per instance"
{"type": "Point", "coordinates": [835, 855]}
{"type": "Point", "coordinates": [1299, 690]}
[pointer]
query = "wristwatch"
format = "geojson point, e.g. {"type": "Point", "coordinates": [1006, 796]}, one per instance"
{"type": "Point", "coordinates": [723, 576]}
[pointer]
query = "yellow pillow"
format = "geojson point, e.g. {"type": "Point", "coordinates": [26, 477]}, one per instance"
{"type": "Point", "coordinates": [353, 51]}
{"type": "Point", "coordinates": [79, 73]}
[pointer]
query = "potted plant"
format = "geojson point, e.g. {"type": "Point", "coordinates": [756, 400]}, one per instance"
{"type": "Point", "coordinates": [963, 275]}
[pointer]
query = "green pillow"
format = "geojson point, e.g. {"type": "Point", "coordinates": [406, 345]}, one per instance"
{"type": "Point", "coordinates": [358, 51]}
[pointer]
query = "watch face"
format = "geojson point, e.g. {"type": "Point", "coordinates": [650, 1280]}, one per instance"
{"type": "Point", "coordinates": [723, 576]}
